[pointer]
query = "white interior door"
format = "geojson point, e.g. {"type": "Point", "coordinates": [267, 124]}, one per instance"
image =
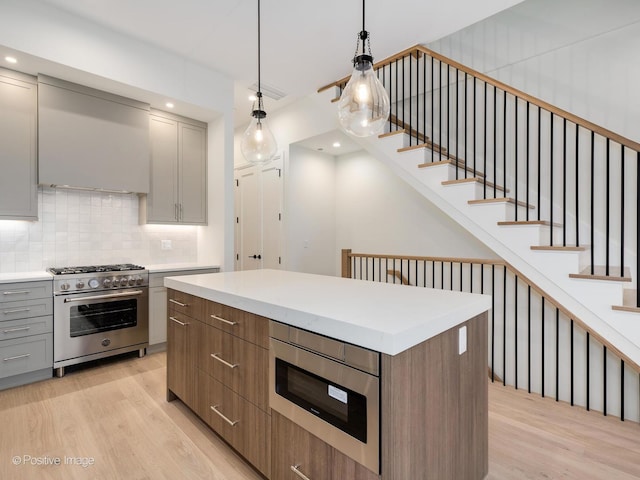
{"type": "Point", "coordinates": [258, 206]}
{"type": "Point", "coordinates": [272, 215]}
{"type": "Point", "coordinates": [248, 220]}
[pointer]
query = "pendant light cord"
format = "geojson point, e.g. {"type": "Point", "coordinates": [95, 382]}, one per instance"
{"type": "Point", "coordinates": [363, 29]}
{"type": "Point", "coordinates": [259, 48]}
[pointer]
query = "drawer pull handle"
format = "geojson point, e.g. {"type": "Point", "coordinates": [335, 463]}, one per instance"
{"type": "Point", "coordinates": [230, 422]}
{"type": "Point", "coordinates": [230, 365]}
{"type": "Point", "coordinates": [16, 292]}
{"type": "Point", "coordinates": [223, 320]}
{"type": "Point", "coordinates": [178, 321]}
{"type": "Point", "coordinates": [17, 357]}
{"type": "Point", "coordinates": [17, 310]}
{"type": "Point", "coordinates": [178, 303]}
{"type": "Point", "coordinates": [296, 469]}
{"type": "Point", "coordinates": [19, 329]}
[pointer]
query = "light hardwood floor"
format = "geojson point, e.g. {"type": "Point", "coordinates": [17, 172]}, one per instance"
{"type": "Point", "coordinates": [116, 416]}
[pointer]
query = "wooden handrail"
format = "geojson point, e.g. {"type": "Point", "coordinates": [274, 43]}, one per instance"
{"type": "Point", "coordinates": [396, 273]}
{"type": "Point", "coordinates": [419, 49]}
{"type": "Point", "coordinates": [347, 254]}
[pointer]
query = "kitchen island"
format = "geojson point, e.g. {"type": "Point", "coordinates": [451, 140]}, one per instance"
{"type": "Point", "coordinates": [432, 348]}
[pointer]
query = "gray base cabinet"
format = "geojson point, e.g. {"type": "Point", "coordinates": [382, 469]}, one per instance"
{"type": "Point", "coordinates": [18, 146]}
{"type": "Point", "coordinates": [26, 332]}
{"type": "Point", "coordinates": [178, 187]}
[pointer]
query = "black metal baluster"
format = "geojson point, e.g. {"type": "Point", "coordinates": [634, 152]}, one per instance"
{"type": "Point", "coordinates": [466, 154]}
{"type": "Point", "coordinates": [542, 344]}
{"type": "Point", "coordinates": [564, 182]}
{"type": "Point", "coordinates": [515, 149]}
{"type": "Point", "coordinates": [440, 111]}
{"type": "Point", "coordinates": [456, 120]}
{"type": "Point", "coordinates": [424, 96]}
{"type": "Point", "coordinates": [433, 108]}
{"type": "Point", "coordinates": [527, 162]}
{"type": "Point", "coordinates": [539, 161]}
{"type": "Point", "coordinates": [504, 145]}
{"type": "Point", "coordinates": [366, 268]}
{"type": "Point", "coordinates": [622, 210]}
{"type": "Point", "coordinates": [493, 323]}
{"type": "Point", "coordinates": [460, 276]}
{"type": "Point", "coordinates": [571, 357]}
{"type": "Point", "coordinates": [451, 276]}
{"type": "Point", "coordinates": [373, 269]}
{"type": "Point", "coordinates": [484, 180]}
{"type": "Point", "coordinates": [504, 325]}
{"type": "Point", "coordinates": [424, 272]}
{"type": "Point", "coordinates": [433, 274]}
{"type": "Point", "coordinates": [529, 338]}
{"type": "Point", "coordinates": [557, 354]}
{"type": "Point", "coordinates": [410, 97]}
{"type": "Point", "coordinates": [441, 275]}
{"type": "Point", "coordinates": [471, 278]}
{"type": "Point", "coordinates": [475, 126]}
{"type": "Point", "coordinates": [495, 139]}
{"type": "Point", "coordinates": [577, 186]}
{"type": "Point", "coordinates": [637, 224]}
{"type": "Point", "coordinates": [604, 380]}
{"type": "Point", "coordinates": [622, 390]}
{"type": "Point", "coordinates": [607, 204]}
{"type": "Point", "coordinates": [592, 226]}
{"type": "Point", "coordinates": [482, 278]}
{"type": "Point", "coordinates": [515, 328]}
{"type": "Point", "coordinates": [448, 105]}
{"type": "Point", "coordinates": [588, 372]}
{"type": "Point", "coordinates": [397, 101]}
{"type": "Point", "coordinates": [551, 180]}
{"type": "Point", "coordinates": [403, 104]}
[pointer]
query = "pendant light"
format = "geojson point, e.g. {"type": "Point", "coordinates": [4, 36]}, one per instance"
{"type": "Point", "coordinates": [258, 143]}
{"type": "Point", "coordinates": [363, 108]}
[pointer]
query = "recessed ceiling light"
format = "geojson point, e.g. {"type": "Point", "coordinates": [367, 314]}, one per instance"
{"type": "Point", "coordinates": [252, 98]}
{"type": "Point", "coordinates": [11, 59]}
{"type": "Point", "coordinates": [336, 144]}
{"type": "Point", "coordinates": [169, 105]}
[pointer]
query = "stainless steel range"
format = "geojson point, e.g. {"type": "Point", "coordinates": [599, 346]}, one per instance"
{"type": "Point", "coordinates": [99, 311]}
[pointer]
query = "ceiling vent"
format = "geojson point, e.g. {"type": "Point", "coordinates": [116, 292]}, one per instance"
{"type": "Point", "coordinates": [268, 91]}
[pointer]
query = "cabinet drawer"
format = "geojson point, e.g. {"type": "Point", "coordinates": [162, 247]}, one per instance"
{"type": "Point", "coordinates": [22, 355]}
{"type": "Point", "coordinates": [26, 327]}
{"type": "Point", "coordinates": [12, 292]}
{"type": "Point", "coordinates": [244, 426]}
{"type": "Point", "coordinates": [184, 303]}
{"type": "Point", "coordinates": [26, 309]}
{"type": "Point", "coordinates": [252, 328]}
{"type": "Point", "coordinates": [238, 364]}
{"type": "Point", "coordinates": [292, 446]}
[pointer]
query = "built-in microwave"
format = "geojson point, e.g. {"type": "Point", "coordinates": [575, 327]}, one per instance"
{"type": "Point", "coordinates": [329, 388]}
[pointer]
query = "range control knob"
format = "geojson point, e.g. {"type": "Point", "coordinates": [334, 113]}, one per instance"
{"type": "Point", "coordinates": [106, 282]}
{"type": "Point", "coordinates": [64, 287]}
{"type": "Point", "coordinates": [132, 281]}
{"type": "Point", "coordinates": [79, 284]}
{"type": "Point", "coordinates": [94, 283]}
{"type": "Point", "coordinates": [138, 280]}
{"type": "Point", "coordinates": [116, 281]}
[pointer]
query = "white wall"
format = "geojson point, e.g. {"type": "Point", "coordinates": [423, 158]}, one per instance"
{"type": "Point", "coordinates": [377, 212]}
{"type": "Point", "coordinates": [310, 212]}
{"type": "Point", "coordinates": [580, 55]}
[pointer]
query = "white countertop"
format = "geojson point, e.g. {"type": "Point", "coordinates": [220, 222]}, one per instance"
{"type": "Point", "coordinates": [25, 276]}
{"type": "Point", "coordinates": [384, 317]}
{"type": "Point", "coordinates": [177, 267]}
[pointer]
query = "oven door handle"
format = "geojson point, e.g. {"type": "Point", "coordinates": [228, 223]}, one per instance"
{"type": "Point", "coordinates": [104, 297]}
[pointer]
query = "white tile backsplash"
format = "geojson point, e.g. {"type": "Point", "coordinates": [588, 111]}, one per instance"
{"type": "Point", "coordinates": [84, 228]}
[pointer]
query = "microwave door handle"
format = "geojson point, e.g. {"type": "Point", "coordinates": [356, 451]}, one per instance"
{"type": "Point", "coordinates": [104, 297]}
{"type": "Point", "coordinates": [296, 469]}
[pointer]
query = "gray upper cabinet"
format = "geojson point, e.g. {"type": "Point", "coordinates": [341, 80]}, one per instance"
{"type": "Point", "coordinates": [178, 192]}
{"type": "Point", "coordinates": [90, 138]}
{"type": "Point", "coordinates": [18, 146]}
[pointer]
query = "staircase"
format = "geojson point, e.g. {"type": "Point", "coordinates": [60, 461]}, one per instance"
{"type": "Point", "coordinates": [552, 194]}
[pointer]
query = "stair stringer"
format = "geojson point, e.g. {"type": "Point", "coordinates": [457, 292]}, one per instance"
{"type": "Point", "coordinates": [590, 301]}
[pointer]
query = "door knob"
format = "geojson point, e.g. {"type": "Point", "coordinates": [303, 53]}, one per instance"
{"type": "Point", "coordinates": [255, 256]}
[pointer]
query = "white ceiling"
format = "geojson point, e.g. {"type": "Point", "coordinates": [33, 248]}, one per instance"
{"type": "Point", "coordinates": [305, 44]}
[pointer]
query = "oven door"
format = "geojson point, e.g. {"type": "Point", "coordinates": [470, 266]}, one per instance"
{"type": "Point", "coordinates": [336, 403]}
{"type": "Point", "coordinates": [93, 322]}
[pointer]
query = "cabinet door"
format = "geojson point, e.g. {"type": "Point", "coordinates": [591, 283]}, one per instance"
{"type": "Point", "coordinates": [162, 201]}
{"type": "Point", "coordinates": [182, 343]}
{"type": "Point", "coordinates": [157, 315]}
{"type": "Point", "coordinates": [293, 448]}
{"type": "Point", "coordinates": [18, 157]}
{"type": "Point", "coordinates": [192, 173]}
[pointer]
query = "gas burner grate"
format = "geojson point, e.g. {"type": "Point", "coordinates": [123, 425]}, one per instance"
{"type": "Point", "coordinates": [119, 267]}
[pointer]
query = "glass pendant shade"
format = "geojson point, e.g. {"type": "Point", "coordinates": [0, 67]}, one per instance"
{"type": "Point", "coordinates": [258, 143]}
{"type": "Point", "coordinates": [363, 108]}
